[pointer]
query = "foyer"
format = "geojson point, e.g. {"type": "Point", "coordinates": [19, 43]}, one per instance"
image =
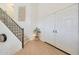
{"type": "Point", "coordinates": [57, 24]}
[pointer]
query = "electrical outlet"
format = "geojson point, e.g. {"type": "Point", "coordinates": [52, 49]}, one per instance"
{"type": "Point", "coordinates": [55, 31]}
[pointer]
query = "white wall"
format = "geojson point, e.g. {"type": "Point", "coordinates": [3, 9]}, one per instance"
{"type": "Point", "coordinates": [27, 23]}
{"type": "Point", "coordinates": [31, 18]}
{"type": "Point", "coordinates": [12, 45]}
{"type": "Point", "coordinates": [65, 21]}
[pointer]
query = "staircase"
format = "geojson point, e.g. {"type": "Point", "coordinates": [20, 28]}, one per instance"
{"type": "Point", "coordinates": [13, 26]}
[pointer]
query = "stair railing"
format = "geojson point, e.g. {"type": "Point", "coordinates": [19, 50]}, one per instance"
{"type": "Point", "coordinates": [12, 25]}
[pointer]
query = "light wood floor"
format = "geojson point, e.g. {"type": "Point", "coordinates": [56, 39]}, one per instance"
{"type": "Point", "coordinates": [37, 47]}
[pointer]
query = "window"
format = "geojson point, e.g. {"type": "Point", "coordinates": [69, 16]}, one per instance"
{"type": "Point", "coordinates": [22, 13]}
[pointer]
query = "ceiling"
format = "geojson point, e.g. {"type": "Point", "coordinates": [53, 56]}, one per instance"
{"type": "Point", "coordinates": [48, 8]}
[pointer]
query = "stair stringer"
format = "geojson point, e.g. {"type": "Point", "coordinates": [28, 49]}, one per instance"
{"type": "Point", "coordinates": [12, 45]}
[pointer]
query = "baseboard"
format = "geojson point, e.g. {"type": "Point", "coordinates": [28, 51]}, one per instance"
{"type": "Point", "coordinates": [58, 48]}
